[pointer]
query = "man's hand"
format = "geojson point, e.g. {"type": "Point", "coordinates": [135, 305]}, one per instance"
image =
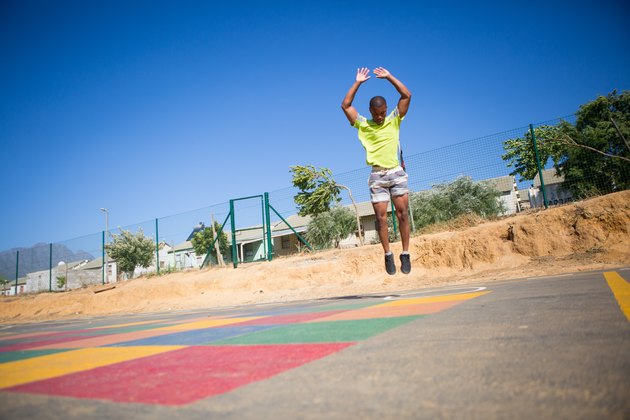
{"type": "Point", "coordinates": [363, 74]}
{"type": "Point", "coordinates": [381, 73]}
{"type": "Point", "coordinates": [405, 95]}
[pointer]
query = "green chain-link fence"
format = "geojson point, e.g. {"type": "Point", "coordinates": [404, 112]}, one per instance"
{"type": "Point", "coordinates": [82, 261]}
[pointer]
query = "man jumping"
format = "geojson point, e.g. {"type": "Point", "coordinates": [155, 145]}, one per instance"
{"type": "Point", "coordinates": [379, 136]}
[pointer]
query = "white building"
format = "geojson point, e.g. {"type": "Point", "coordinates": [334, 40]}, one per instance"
{"type": "Point", "coordinates": [510, 194]}
{"type": "Point", "coordinates": [554, 190]}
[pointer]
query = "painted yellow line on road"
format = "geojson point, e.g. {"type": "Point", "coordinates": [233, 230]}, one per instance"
{"type": "Point", "coordinates": [53, 365]}
{"type": "Point", "coordinates": [621, 290]}
{"type": "Point", "coordinates": [432, 299]}
{"type": "Point", "coordinates": [207, 323]}
{"type": "Point", "coordinates": [130, 324]}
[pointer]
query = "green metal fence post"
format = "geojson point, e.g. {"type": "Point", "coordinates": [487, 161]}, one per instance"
{"type": "Point", "coordinates": [540, 174]}
{"type": "Point", "coordinates": [17, 270]}
{"type": "Point", "coordinates": [268, 221]}
{"type": "Point", "coordinates": [157, 248]}
{"type": "Point", "coordinates": [50, 268]}
{"type": "Point", "coordinates": [291, 227]}
{"type": "Point", "coordinates": [233, 224]}
{"type": "Point", "coordinates": [394, 220]}
{"type": "Point", "coordinates": [264, 226]}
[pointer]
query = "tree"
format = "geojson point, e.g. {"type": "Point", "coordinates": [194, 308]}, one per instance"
{"type": "Point", "coordinates": [131, 250]}
{"type": "Point", "coordinates": [593, 155]}
{"type": "Point", "coordinates": [598, 154]}
{"type": "Point", "coordinates": [521, 155]}
{"type": "Point", "coordinates": [328, 229]}
{"type": "Point", "coordinates": [449, 200]}
{"type": "Point", "coordinates": [318, 190]}
{"type": "Point", "coordinates": [203, 239]}
{"type": "Point", "coordinates": [4, 283]}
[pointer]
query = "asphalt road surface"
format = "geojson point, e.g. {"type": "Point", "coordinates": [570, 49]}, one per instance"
{"type": "Point", "coordinates": [538, 348]}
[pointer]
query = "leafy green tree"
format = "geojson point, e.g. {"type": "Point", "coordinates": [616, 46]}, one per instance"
{"type": "Point", "coordinates": [598, 154]}
{"type": "Point", "coordinates": [593, 155]}
{"type": "Point", "coordinates": [4, 282]}
{"type": "Point", "coordinates": [520, 153]}
{"type": "Point", "coordinates": [329, 228]}
{"type": "Point", "coordinates": [131, 250]}
{"type": "Point", "coordinates": [202, 241]}
{"type": "Point", "coordinates": [449, 200]}
{"type": "Point", "coordinates": [318, 190]}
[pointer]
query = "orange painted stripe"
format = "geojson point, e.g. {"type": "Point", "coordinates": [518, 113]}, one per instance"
{"type": "Point", "coordinates": [380, 311]}
{"type": "Point", "coordinates": [433, 299]}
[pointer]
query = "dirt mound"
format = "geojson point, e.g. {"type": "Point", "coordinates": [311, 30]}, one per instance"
{"type": "Point", "coordinates": [586, 235]}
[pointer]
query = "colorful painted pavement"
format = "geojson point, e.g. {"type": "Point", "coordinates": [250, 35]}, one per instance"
{"type": "Point", "coordinates": [177, 361]}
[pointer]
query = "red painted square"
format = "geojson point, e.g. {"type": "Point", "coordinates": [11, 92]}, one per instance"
{"type": "Point", "coordinates": [182, 376]}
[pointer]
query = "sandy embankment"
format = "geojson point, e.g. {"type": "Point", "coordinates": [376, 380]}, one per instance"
{"type": "Point", "coordinates": [587, 235]}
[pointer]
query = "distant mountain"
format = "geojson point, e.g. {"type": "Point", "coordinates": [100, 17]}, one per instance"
{"type": "Point", "coordinates": [37, 258]}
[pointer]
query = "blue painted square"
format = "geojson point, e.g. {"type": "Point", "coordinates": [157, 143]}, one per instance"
{"type": "Point", "coordinates": [195, 337]}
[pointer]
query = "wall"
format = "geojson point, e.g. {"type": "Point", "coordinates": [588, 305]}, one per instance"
{"type": "Point", "coordinates": [39, 281]}
{"type": "Point", "coordinates": [556, 195]}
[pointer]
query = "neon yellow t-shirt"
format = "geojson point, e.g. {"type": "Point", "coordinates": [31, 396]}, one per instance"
{"type": "Point", "coordinates": [380, 141]}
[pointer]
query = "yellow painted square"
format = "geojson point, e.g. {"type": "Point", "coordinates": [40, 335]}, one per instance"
{"type": "Point", "coordinates": [53, 365]}
{"type": "Point", "coordinates": [130, 324]}
{"type": "Point", "coordinates": [209, 323]}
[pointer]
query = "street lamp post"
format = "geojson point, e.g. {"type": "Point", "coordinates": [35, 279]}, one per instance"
{"type": "Point", "coordinates": [104, 210]}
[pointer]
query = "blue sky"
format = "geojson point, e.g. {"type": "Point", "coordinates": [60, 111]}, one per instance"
{"type": "Point", "coordinates": [153, 108]}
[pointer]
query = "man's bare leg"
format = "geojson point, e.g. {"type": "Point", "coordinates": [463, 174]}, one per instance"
{"type": "Point", "coordinates": [401, 203]}
{"type": "Point", "coordinates": [380, 209]}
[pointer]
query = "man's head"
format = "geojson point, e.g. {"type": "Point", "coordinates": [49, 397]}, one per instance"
{"type": "Point", "coordinates": [378, 109]}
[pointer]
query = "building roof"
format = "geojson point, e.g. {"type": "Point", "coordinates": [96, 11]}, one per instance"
{"type": "Point", "coordinates": [364, 208]}
{"type": "Point", "coordinates": [94, 264]}
{"type": "Point", "coordinates": [184, 246]}
{"type": "Point", "coordinates": [550, 178]}
{"type": "Point", "coordinates": [296, 221]}
{"type": "Point", "coordinates": [253, 234]}
{"type": "Point", "coordinates": [501, 183]}
{"type": "Point", "coordinates": [299, 223]}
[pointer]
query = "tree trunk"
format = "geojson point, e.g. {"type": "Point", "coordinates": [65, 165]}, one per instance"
{"type": "Point", "coordinates": [356, 213]}
{"type": "Point", "coordinates": [217, 248]}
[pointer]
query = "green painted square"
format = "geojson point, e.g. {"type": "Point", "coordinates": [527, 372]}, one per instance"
{"type": "Point", "coordinates": [12, 356]}
{"type": "Point", "coordinates": [320, 332]}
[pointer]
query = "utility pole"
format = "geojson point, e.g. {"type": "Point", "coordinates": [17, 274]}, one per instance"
{"type": "Point", "coordinates": [104, 210]}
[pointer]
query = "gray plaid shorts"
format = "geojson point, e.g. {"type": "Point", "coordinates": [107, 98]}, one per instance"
{"type": "Point", "coordinates": [387, 182]}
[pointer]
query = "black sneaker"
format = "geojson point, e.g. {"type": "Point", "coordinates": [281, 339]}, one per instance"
{"type": "Point", "coordinates": [405, 263]}
{"type": "Point", "coordinates": [390, 267]}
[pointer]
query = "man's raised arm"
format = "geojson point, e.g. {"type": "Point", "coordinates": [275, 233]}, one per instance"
{"type": "Point", "coordinates": [346, 105]}
{"type": "Point", "coordinates": [405, 95]}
